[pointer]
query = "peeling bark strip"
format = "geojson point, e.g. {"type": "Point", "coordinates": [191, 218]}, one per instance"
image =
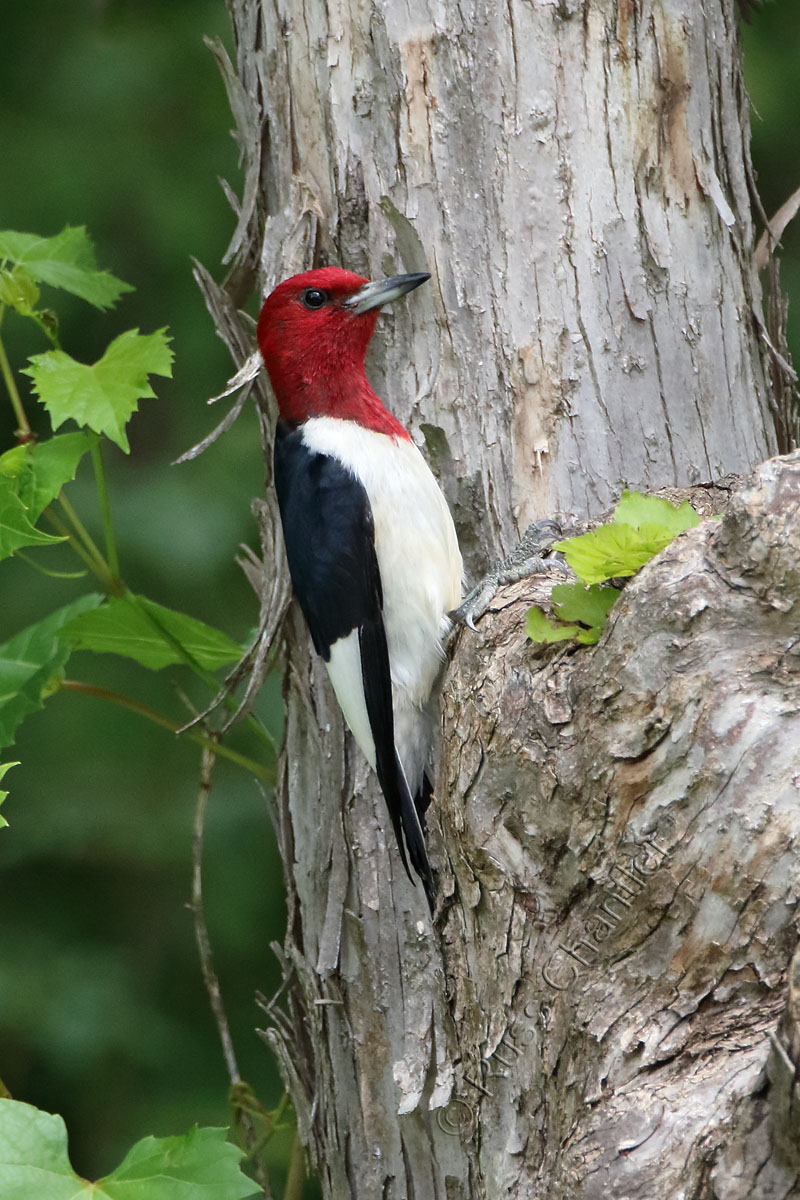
{"type": "Point", "coordinates": [616, 825]}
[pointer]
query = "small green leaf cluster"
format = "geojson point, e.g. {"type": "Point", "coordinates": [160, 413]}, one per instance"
{"type": "Point", "coordinates": [34, 1164]}
{"type": "Point", "coordinates": [640, 528]}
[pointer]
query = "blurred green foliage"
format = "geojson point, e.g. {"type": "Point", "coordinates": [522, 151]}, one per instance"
{"type": "Point", "coordinates": [771, 43]}
{"type": "Point", "coordinates": [113, 116]}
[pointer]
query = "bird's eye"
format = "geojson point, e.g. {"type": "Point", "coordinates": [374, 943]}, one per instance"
{"type": "Point", "coordinates": [314, 298]}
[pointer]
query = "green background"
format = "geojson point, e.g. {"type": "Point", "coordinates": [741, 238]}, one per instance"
{"type": "Point", "coordinates": [113, 115]}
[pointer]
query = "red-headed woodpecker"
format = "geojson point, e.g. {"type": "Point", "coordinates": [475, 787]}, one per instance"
{"type": "Point", "coordinates": [371, 545]}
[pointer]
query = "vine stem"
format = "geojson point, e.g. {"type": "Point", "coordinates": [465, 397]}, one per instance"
{"type": "Point", "coordinates": [210, 977]}
{"type": "Point", "coordinates": [25, 432]}
{"type": "Point", "coordinates": [98, 568]}
{"type": "Point", "coordinates": [297, 1171]}
{"type": "Point", "coordinates": [105, 509]}
{"type": "Point", "coordinates": [194, 735]}
{"type": "Point", "coordinates": [113, 586]}
{"type": "Point", "coordinates": [88, 552]}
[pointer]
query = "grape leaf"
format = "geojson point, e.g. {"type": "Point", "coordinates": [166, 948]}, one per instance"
{"type": "Point", "coordinates": [18, 290]}
{"type": "Point", "coordinates": [65, 261]}
{"type": "Point", "coordinates": [29, 663]}
{"type": "Point", "coordinates": [642, 526]}
{"type": "Point", "coordinates": [16, 529]}
{"type": "Point", "coordinates": [3, 768]}
{"type": "Point", "coordinates": [12, 462]}
{"type": "Point", "coordinates": [540, 628]}
{"type": "Point", "coordinates": [573, 602]}
{"type": "Point", "coordinates": [653, 516]}
{"type": "Point", "coordinates": [608, 552]}
{"type": "Point", "coordinates": [200, 1164]}
{"type": "Point", "coordinates": [33, 1155]}
{"type": "Point", "coordinates": [34, 1163]}
{"type": "Point", "coordinates": [120, 627]}
{"type": "Point", "coordinates": [589, 605]}
{"type": "Point", "coordinates": [42, 468]}
{"type": "Point", "coordinates": [105, 394]}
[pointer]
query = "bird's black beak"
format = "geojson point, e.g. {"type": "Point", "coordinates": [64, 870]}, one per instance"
{"type": "Point", "coordinates": [383, 291]}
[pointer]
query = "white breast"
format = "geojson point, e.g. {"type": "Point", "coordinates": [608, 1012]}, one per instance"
{"type": "Point", "coordinates": [418, 557]}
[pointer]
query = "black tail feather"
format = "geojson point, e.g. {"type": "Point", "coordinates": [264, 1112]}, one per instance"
{"type": "Point", "coordinates": [414, 830]}
{"type": "Point", "coordinates": [422, 800]}
{"type": "Point", "coordinates": [407, 820]}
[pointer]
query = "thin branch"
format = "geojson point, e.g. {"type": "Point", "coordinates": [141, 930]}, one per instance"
{"type": "Point", "coordinates": [200, 930]}
{"type": "Point", "coordinates": [774, 229]}
{"type": "Point", "coordinates": [210, 977]}
{"type": "Point", "coordinates": [223, 427]}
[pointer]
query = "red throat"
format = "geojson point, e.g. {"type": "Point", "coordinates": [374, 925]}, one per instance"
{"type": "Point", "coordinates": [315, 359]}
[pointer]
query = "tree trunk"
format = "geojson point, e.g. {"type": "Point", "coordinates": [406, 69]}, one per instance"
{"type": "Point", "coordinates": [615, 825]}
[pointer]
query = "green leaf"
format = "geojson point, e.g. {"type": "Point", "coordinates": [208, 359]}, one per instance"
{"type": "Point", "coordinates": [609, 552]}
{"type": "Point", "coordinates": [653, 516]}
{"type": "Point", "coordinates": [589, 605]}
{"type": "Point", "coordinates": [540, 628]}
{"type": "Point", "coordinates": [34, 1164]}
{"type": "Point", "coordinates": [588, 637]}
{"type": "Point", "coordinates": [642, 526]}
{"type": "Point", "coordinates": [573, 602]}
{"type": "Point", "coordinates": [42, 468]}
{"type": "Point", "coordinates": [65, 261]}
{"type": "Point", "coordinates": [18, 290]}
{"type": "Point", "coordinates": [33, 1155]}
{"type": "Point", "coordinates": [3, 768]}
{"type": "Point", "coordinates": [121, 627]}
{"type": "Point", "coordinates": [12, 463]}
{"type": "Point", "coordinates": [16, 529]}
{"type": "Point", "coordinates": [29, 663]}
{"type": "Point", "coordinates": [200, 1164]}
{"type": "Point", "coordinates": [105, 394]}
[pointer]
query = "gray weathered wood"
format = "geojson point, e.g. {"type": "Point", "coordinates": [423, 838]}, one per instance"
{"type": "Point", "coordinates": [623, 847]}
{"type": "Point", "coordinates": [574, 175]}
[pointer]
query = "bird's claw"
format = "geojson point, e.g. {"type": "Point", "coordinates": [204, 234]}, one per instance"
{"type": "Point", "coordinates": [525, 559]}
{"type": "Point", "coordinates": [475, 604]}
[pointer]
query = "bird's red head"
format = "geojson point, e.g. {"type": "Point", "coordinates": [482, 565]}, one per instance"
{"type": "Point", "coordinates": [313, 333]}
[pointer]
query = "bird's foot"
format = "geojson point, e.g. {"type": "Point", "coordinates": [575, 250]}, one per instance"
{"type": "Point", "coordinates": [529, 557]}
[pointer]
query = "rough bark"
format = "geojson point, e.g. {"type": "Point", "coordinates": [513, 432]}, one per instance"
{"type": "Point", "coordinates": [574, 174]}
{"type": "Point", "coordinates": [621, 829]}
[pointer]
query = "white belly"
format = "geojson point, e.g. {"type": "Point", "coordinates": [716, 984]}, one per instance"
{"type": "Point", "coordinates": [421, 574]}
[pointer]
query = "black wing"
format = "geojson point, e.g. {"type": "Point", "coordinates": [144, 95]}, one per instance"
{"type": "Point", "coordinates": [330, 547]}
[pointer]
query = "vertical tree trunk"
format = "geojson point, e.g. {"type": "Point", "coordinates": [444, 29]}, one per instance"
{"type": "Point", "coordinates": [574, 173]}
